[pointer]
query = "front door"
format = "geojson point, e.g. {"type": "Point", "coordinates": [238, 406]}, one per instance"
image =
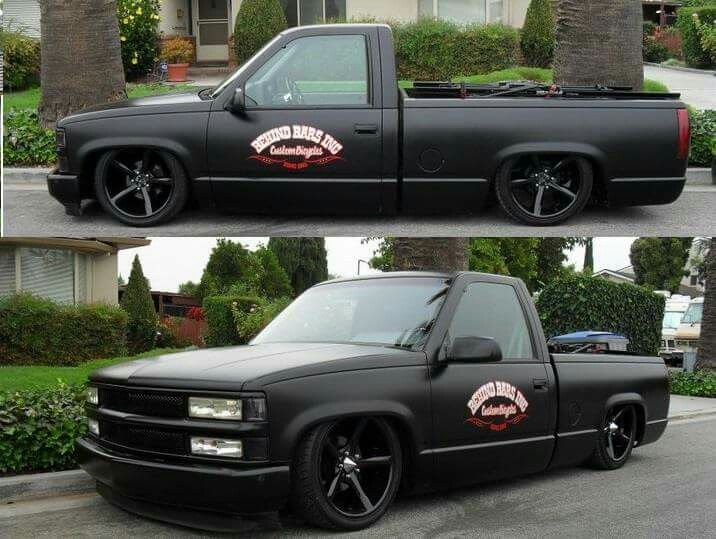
{"type": "Point", "coordinates": [491, 420]}
{"type": "Point", "coordinates": [211, 28]}
{"type": "Point", "coordinates": [310, 136]}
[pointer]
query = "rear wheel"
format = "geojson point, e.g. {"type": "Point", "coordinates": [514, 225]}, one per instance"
{"type": "Point", "coordinates": [616, 438]}
{"type": "Point", "coordinates": [346, 473]}
{"type": "Point", "coordinates": [544, 189]}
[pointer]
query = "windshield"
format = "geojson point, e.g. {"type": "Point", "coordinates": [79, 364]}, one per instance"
{"type": "Point", "coordinates": [693, 314]}
{"type": "Point", "coordinates": [392, 312]}
{"type": "Point", "coordinates": [672, 319]}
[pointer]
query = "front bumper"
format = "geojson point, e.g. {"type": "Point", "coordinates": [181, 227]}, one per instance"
{"type": "Point", "coordinates": [197, 495]}
{"type": "Point", "coordinates": [66, 189]}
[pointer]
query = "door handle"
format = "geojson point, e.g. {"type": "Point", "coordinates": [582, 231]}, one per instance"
{"type": "Point", "coordinates": [365, 129]}
{"type": "Point", "coordinates": [540, 384]}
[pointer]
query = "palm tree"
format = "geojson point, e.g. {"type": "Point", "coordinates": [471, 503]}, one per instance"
{"type": "Point", "coordinates": [81, 57]}
{"type": "Point", "coordinates": [599, 42]}
{"type": "Point", "coordinates": [706, 354]}
{"type": "Point", "coordinates": [426, 254]}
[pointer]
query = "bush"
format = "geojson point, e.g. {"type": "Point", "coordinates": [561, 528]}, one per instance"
{"type": "Point", "coordinates": [694, 53]}
{"type": "Point", "coordinates": [171, 333]}
{"type": "Point", "coordinates": [440, 50]}
{"type": "Point", "coordinates": [25, 142]}
{"type": "Point", "coordinates": [258, 22]}
{"type": "Point", "coordinates": [538, 34]}
{"type": "Point", "coordinates": [249, 323]}
{"type": "Point", "coordinates": [695, 384]}
{"type": "Point", "coordinates": [580, 303]}
{"type": "Point", "coordinates": [139, 35]}
{"type": "Point", "coordinates": [653, 50]}
{"type": "Point", "coordinates": [142, 318]}
{"type": "Point", "coordinates": [38, 428]}
{"type": "Point", "coordinates": [21, 58]}
{"type": "Point", "coordinates": [38, 331]}
{"type": "Point", "coordinates": [177, 51]}
{"type": "Point", "coordinates": [670, 38]}
{"type": "Point", "coordinates": [703, 138]}
{"type": "Point", "coordinates": [219, 313]}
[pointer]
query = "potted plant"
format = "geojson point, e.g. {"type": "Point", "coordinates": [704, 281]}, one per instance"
{"type": "Point", "coordinates": [178, 53]}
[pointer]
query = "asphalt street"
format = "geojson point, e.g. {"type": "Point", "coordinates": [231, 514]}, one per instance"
{"type": "Point", "coordinates": [667, 489]}
{"type": "Point", "coordinates": [30, 211]}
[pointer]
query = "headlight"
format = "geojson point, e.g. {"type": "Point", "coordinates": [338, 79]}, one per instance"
{"type": "Point", "coordinates": [93, 425]}
{"type": "Point", "coordinates": [92, 396]}
{"type": "Point", "coordinates": [217, 447]}
{"type": "Point", "coordinates": [231, 409]}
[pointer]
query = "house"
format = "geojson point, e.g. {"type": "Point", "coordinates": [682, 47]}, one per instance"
{"type": "Point", "coordinates": [210, 23]}
{"type": "Point", "coordinates": [63, 269]}
{"type": "Point", "coordinates": [169, 303]}
{"type": "Point", "coordinates": [652, 10]}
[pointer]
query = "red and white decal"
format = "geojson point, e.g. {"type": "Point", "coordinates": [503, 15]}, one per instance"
{"type": "Point", "coordinates": [496, 406]}
{"type": "Point", "coordinates": [296, 147]}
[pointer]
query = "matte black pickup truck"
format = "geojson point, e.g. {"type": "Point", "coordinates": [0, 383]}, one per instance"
{"type": "Point", "coordinates": [362, 387]}
{"type": "Point", "coordinates": [316, 122]}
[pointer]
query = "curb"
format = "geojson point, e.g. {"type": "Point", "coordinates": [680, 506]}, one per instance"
{"type": "Point", "coordinates": [680, 68]}
{"type": "Point", "coordinates": [44, 485]}
{"type": "Point", "coordinates": [691, 415]}
{"type": "Point", "coordinates": [33, 175]}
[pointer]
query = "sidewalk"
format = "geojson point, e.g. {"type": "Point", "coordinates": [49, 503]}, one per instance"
{"type": "Point", "coordinates": [682, 406]}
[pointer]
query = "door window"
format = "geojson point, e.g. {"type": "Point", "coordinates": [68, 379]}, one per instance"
{"type": "Point", "coordinates": [213, 9]}
{"type": "Point", "coordinates": [493, 310]}
{"type": "Point", "coordinates": [316, 70]}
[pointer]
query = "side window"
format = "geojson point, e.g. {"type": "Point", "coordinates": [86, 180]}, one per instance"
{"type": "Point", "coordinates": [317, 70]}
{"type": "Point", "coordinates": [493, 310]}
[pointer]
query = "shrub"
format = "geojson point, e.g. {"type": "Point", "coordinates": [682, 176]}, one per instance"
{"type": "Point", "coordinates": [38, 331]}
{"type": "Point", "coordinates": [670, 38]}
{"type": "Point", "coordinates": [177, 51]}
{"type": "Point", "coordinates": [703, 138]}
{"type": "Point", "coordinates": [142, 318]}
{"type": "Point", "coordinates": [172, 333]}
{"type": "Point", "coordinates": [653, 50]}
{"type": "Point", "coordinates": [695, 384]}
{"type": "Point", "coordinates": [250, 322]}
{"type": "Point", "coordinates": [538, 34]}
{"type": "Point", "coordinates": [579, 303]}
{"type": "Point", "coordinates": [694, 53]}
{"type": "Point", "coordinates": [25, 142]}
{"type": "Point", "coordinates": [258, 22]}
{"type": "Point", "coordinates": [139, 35]}
{"type": "Point", "coordinates": [21, 59]}
{"type": "Point", "coordinates": [219, 312]}
{"type": "Point", "coordinates": [38, 428]}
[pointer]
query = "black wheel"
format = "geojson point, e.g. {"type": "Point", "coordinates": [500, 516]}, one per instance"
{"type": "Point", "coordinates": [346, 473]}
{"type": "Point", "coordinates": [544, 189]}
{"type": "Point", "coordinates": [616, 439]}
{"type": "Point", "coordinates": [141, 186]}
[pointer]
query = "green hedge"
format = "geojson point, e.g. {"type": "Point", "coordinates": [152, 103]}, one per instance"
{"type": "Point", "coordinates": [37, 331]}
{"type": "Point", "coordinates": [221, 328]}
{"type": "Point", "coordinates": [440, 50]}
{"type": "Point", "coordinates": [257, 22]}
{"type": "Point", "coordinates": [21, 59]}
{"type": "Point", "coordinates": [38, 428]}
{"type": "Point", "coordinates": [25, 142]}
{"type": "Point", "coordinates": [694, 54]}
{"type": "Point", "coordinates": [538, 34]}
{"type": "Point", "coordinates": [703, 137]}
{"type": "Point", "coordinates": [694, 384]}
{"type": "Point", "coordinates": [249, 323]}
{"type": "Point", "coordinates": [581, 303]}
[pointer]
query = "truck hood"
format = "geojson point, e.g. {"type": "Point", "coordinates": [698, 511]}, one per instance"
{"type": "Point", "coordinates": [252, 367]}
{"type": "Point", "coordinates": [185, 102]}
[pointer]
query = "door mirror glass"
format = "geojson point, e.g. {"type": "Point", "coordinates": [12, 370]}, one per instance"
{"type": "Point", "coordinates": [474, 350]}
{"type": "Point", "coordinates": [238, 102]}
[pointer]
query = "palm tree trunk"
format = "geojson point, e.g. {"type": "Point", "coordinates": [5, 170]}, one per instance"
{"type": "Point", "coordinates": [81, 57]}
{"type": "Point", "coordinates": [599, 42]}
{"type": "Point", "coordinates": [430, 254]}
{"type": "Point", "coordinates": [706, 354]}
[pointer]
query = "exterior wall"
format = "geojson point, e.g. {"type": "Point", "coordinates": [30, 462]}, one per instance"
{"type": "Point", "coordinates": [105, 288]}
{"type": "Point", "coordinates": [24, 13]}
{"type": "Point", "coordinates": [517, 9]}
{"type": "Point", "coordinates": [401, 10]}
{"type": "Point", "coordinates": [170, 23]}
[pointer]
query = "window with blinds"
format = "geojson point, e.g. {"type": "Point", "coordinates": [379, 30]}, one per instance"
{"type": "Point", "coordinates": [7, 272]}
{"type": "Point", "coordinates": [49, 273]}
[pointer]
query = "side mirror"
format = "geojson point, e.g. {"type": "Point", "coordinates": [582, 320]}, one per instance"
{"type": "Point", "coordinates": [237, 105]}
{"type": "Point", "coordinates": [474, 350]}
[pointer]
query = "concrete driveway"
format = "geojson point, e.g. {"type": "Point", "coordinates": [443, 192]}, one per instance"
{"type": "Point", "coordinates": [697, 89]}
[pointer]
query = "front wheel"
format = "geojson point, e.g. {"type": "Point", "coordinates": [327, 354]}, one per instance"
{"type": "Point", "coordinates": [616, 439]}
{"type": "Point", "coordinates": [544, 189]}
{"type": "Point", "coordinates": [346, 473]}
{"type": "Point", "coordinates": [141, 186]}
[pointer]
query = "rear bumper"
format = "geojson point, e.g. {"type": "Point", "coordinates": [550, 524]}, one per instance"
{"type": "Point", "coordinates": [66, 189]}
{"type": "Point", "coordinates": [644, 191]}
{"type": "Point", "coordinates": [206, 497]}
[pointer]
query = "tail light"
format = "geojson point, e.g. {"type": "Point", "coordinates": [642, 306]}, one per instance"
{"type": "Point", "coordinates": [684, 133]}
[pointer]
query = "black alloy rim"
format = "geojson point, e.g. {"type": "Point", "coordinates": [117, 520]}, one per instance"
{"type": "Point", "coordinates": [619, 432]}
{"type": "Point", "coordinates": [138, 183]}
{"type": "Point", "coordinates": [545, 186]}
{"type": "Point", "coordinates": [356, 466]}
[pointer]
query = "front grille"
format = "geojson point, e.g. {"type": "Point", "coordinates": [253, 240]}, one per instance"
{"type": "Point", "coordinates": [143, 402]}
{"type": "Point", "coordinates": [145, 438]}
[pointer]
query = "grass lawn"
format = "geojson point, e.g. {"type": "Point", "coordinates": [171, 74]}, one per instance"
{"type": "Point", "coordinates": [18, 378]}
{"type": "Point", "coordinates": [30, 99]}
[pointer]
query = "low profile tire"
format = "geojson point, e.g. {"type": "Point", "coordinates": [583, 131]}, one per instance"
{"type": "Point", "coordinates": [616, 439]}
{"type": "Point", "coordinates": [346, 473]}
{"type": "Point", "coordinates": [544, 190]}
{"type": "Point", "coordinates": [141, 186]}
